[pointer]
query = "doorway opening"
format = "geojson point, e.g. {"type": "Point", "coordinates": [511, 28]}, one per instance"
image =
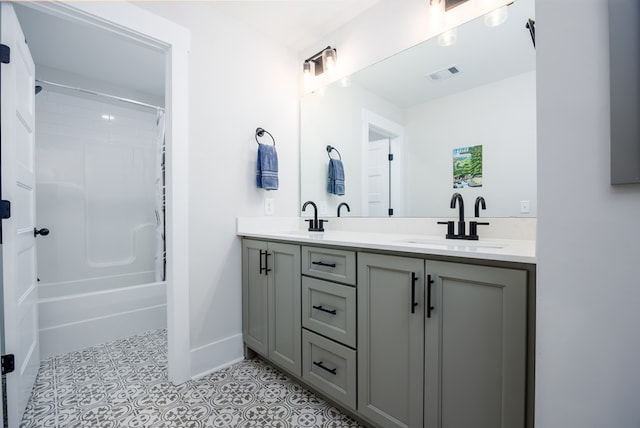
{"type": "Point", "coordinates": [127, 22]}
{"type": "Point", "coordinates": [383, 169]}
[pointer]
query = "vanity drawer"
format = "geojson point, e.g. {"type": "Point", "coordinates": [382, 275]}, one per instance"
{"type": "Point", "coordinates": [329, 309]}
{"type": "Point", "coordinates": [325, 263]}
{"type": "Point", "coordinates": [330, 367]}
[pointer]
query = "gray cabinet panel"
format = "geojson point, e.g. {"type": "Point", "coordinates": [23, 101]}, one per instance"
{"type": "Point", "coordinates": [476, 364]}
{"type": "Point", "coordinates": [329, 309]}
{"type": "Point", "coordinates": [271, 302]}
{"type": "Point", "coordinates": [254, 297]}
{"type": "Point", "coordinates": [284, 306]}
{"type": "Point", "coordinates": [390, 339]}
{"type": "Point", "coordinates": [330, 367]}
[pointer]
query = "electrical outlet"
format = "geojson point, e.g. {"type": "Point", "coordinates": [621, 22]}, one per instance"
{"type": "Point", "coordinates": [524, 207]}
{"type": "Point", "coordinates": [269, 206]}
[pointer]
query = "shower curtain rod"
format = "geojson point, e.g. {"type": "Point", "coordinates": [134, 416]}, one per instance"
{"type": "Point", "coordinates": [101, 94]}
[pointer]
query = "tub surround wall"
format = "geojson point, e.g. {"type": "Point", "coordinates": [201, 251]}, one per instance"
{"type": "Point", "coordinates": [95, 176]}
{"type": "Point", "coordinates": [95, 181]}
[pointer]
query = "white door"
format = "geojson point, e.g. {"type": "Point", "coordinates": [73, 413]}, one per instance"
{"type": "Point", "coordinates": [18, 241]}
{"type": "Point", "coordinates": [378, 178]}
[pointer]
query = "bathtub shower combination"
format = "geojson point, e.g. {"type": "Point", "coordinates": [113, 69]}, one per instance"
{"type": "Point", "coordinates": [100, 193]}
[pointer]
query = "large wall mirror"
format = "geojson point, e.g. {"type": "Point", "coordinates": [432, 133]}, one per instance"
{"type": "Point", "coordinates": [460, 118]}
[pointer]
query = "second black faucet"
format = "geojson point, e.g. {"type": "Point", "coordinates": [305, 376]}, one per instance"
{"type": "Point", "coordinates": [315, 225]}
{"type": "Point", "coordinates": [456, 199]}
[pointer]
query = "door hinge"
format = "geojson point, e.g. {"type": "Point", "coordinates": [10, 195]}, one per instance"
{"type": "Point", "coordinates": [8, 363]}
{"type": "Point", "coordinates": [5, 54]}
{"type": "Point", "coordinates": [390, 211]}
{"type": "Point", "coordinates": [390, 156]}
{"type": "Point", "coordinates": [5, 209]}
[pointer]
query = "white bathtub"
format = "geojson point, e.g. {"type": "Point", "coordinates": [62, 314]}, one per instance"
{"type": "Point", "coordinates": [112, 309]}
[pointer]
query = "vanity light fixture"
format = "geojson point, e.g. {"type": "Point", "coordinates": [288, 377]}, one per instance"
{"type": "Point", "coordinates": [325, 60]}
{"type": "Point", "coordinates": [496, 17]}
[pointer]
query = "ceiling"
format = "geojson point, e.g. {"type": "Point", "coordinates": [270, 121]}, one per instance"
{"type": "Point", "coordinates": [78, 48]}
{"type": "Point", "coordinates": [481, 54]}
{"type": "Point", "coordinates": [91, 52]}
{"type": "Point", "coordinates": [295, 24]}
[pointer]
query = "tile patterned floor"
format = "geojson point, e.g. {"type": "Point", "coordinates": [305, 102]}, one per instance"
{"type": "Point", "coordinates": [124, 384]}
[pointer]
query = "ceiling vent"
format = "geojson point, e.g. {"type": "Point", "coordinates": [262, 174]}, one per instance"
{"type": "Point", "coordinates": [444, 74]}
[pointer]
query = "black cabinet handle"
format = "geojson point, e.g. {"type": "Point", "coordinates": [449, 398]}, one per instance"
{"type": "Point", "coordinates": [414, 278]}
{"type": "Point", "coordinates": [329, 311]}
{"type": "Point", "coordinates": [266, 263]}
{"type": "Point", "coordinates": [261, 265]}
{"type": "Point", "coordinates": [429, 307]}
{"type": "Point", "coordinates": [324, 264]}
{"type": "Point", "coordinates": [264, 267]}
{"type": "Point", "coordinates": [319, 364]}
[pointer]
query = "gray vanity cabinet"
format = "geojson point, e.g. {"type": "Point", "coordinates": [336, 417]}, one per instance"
{"type": "Point", "coordinates": [475, 359]}
{"type": "Point", "coordinates": [271, 302]}
{"type": "Point", "coordinates": [391, 313]}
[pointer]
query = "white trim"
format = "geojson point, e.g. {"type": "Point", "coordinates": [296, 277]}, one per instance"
{"type": "Point", "coordinates": [128, 20]}
{"type": "Point", "coordinates": [219, 355]}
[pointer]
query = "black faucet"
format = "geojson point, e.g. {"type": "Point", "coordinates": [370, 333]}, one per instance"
{"type": "Point", "coordinates": [343, 204]}
{"type": "Point", "coordinates": [457, 197]}
{"type": "Point", "coordinates": [473, 225]}
{"type": "Point", "coordinates": [479, 201]}
{"type": "Point", "coordinates": [315, 225]}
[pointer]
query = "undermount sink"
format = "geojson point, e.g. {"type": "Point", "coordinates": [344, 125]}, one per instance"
{"type": "Point", "coordinates": [445, 243]}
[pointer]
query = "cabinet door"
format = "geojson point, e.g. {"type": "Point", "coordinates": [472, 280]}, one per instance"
{"type": "Point", "coordinates": [285, 329]}
{"type": "Point", "coordinates": [254, 296]}
{"type": "Point", "coordinates": [390, 339]}
{"type": "Point", "coordinates": [475, 376]}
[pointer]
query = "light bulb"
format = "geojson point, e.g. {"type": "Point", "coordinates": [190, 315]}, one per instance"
{"type": "Point", "coordinates": [448, 37]}
{"type": "Point", "coordinates": [329, 59]}
{"type": "Point", "coordinates": [496, 17]}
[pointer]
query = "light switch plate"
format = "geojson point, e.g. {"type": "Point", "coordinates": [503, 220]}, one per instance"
{"type": "Point", "coordinates": [269, 206]}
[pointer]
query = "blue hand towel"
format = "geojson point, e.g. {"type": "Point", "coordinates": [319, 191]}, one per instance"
{"type": "Point", "coordinates": [267, 167]}
{"type": "Point", "coordinates": [335, 182]}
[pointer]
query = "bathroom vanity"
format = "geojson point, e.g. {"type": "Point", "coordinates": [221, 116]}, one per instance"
{"type": "Point", "coordinates": [400, 330]}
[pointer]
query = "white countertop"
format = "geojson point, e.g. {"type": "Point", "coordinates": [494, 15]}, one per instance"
{"type": "Point", "coordinates": [508, 250]}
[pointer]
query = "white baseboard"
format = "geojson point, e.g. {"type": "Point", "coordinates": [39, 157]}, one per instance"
{"type": "Point", "coordinates": [216, 356]}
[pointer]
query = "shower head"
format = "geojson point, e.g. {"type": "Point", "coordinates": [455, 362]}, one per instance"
{"type": "Point", "coordinates": [38, 89]}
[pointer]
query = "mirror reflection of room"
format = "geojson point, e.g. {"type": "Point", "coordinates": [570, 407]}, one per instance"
{"type": "Point", "coordinates": [400, 123]}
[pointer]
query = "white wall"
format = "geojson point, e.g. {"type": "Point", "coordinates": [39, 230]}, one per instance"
{"type": "Point", "coordinates": [501, 117]}
{"type": "Point", "coordinates": [238, 81]}
{"type": "Point", "coordinates": [588, 345]}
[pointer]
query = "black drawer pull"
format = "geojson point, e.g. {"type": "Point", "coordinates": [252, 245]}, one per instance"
{"type": "Point", "coordinates": [324, 264]}
{"type": "Point", "coordinates": [329, 311]}
{"type": "Point", "coordinates": [319, 364]}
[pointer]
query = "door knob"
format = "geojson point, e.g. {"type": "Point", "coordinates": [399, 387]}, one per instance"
{"type": "Point", "coordinates": [43, 232]}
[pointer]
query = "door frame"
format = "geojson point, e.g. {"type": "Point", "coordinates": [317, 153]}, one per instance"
{"type": "Point", "coordinates": [127, 20]}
